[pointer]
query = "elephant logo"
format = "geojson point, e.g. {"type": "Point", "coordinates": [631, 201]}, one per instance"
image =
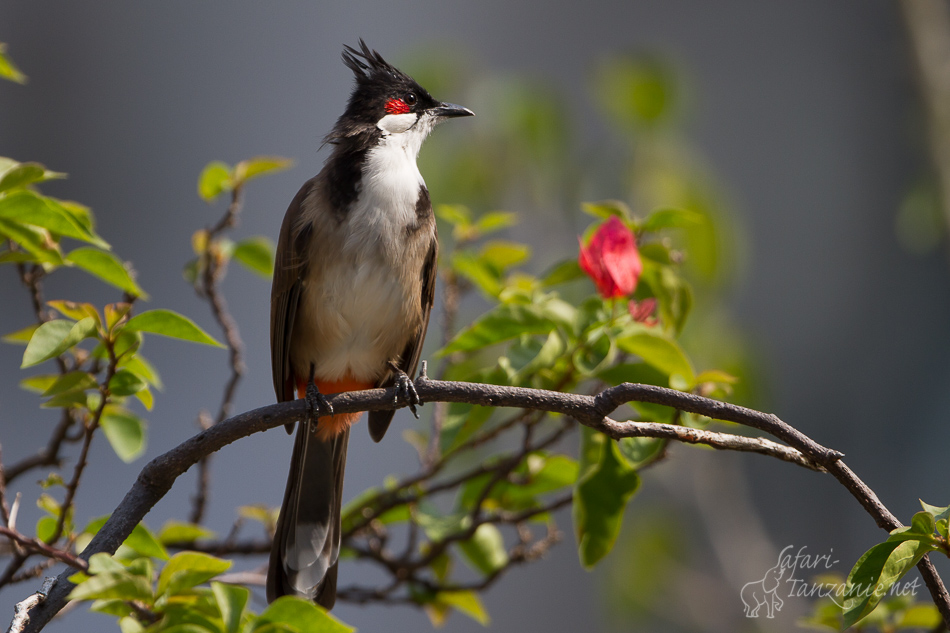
{"type": "Point", "coordinates": [763, 592]}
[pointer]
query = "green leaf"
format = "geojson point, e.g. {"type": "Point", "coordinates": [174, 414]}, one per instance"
{"type": "Point", "coordinates": [495, 221]}
{"type": "Point", "coordinates": [125, 432]}
{"type": "Point", "coordinates": [37, 243]}
{"type": "Point", "coordinates": [670, 218]}
{"type": "Point", "coordinates": [115, 312]}
{"type": "Point", "coordinates": [607, 208]}
{"type": "Point", "coordinates": [130, 625]}
{"type": "Point", "coordinates": [466, 602]}
{"type": "Point", "coordinates": [936, 511]}
{"type": "Point", "coordinates": [215, 178]}
{"type": "Point", "coordinates": [261, 513]}
{"type": "Point", "coordinates": [125, 383]}
{"type": "Point", "coordinates": [231, 602]}
{"type": "Point", "coordinates": [503, 323]}
{"type": "Point", "coordinates": [71, 381]}
{"type": "Point", "coordinates": [257, 253]}
{"type": "Point", "coordinates": [874, 574]}
{"type": "Point", "coordinates": [923, 523]}
{"type": "Point", "coordinates": [116, 608]}
{"type": "Point", "coordinates": [74, 399]}
{"type": "Point", "coordinates": [716, 376]}
{"type": "Point", "coordinates": [437, 526]}
{"type": "Point", "coordinates": [530, 353]}
{"type": "Point", "coordinates": [75, 310]}
{"type": "Point", "coordinates": [600, 497]}
{"type": "Point", "coordinates": [23, 174]}
{"type": "Point", "coordinates": [142, 368]}
{"type": "Point", "coordinates": [7, 69]}
{"type": "Point", "coordinates": [568, 270]}
{"type": "Point", "coordinates": [79, 212]}
{"type": "Point", "coordinates": [486, 549]}
{"type": "Point", "coordinates": [259, 166]}
{"type": "Point", "coordinates": [26, 207]}
{"type": "Point", "coordinates": [673, 294]}
{"type": "Point", "coordinates": [454, 214]}
{"type": "Point", "coordinates": [590, 451]}
{"type": "Point", "coordinates": [920, 616]}
{"type": "Point", "coordinates": [39, 384]}
{"type": "Point", "coordinates": [476, 270]}
{"type": "Point", "coordinates": [21, 336]}
{"type": "Point", "coordinates": [106, 267]}
{"type": "Point", "coordinates": [502, 254]}
{"type": "Point", "coordinates": [301, 616]}
{"type": "Point", "coordinates": [661, 352]}
{"type": "Point", "coordinates": [188, 569]}
{"type": "Point", "coordinates": [598, 354]}
{"type": "Point", "coordinates": [55, 337]}
{"type": "Point", "coordinates": [103, 563]}
{"type": "Point", "coordinates": [171, 324]}
{"type": "Point", "coordinates": [178, 532]}
{"type": "Point", "coordinates": [180, 619]}
{"type": "Point", "coordinates": [144, 542]}
{"type": "Point", "coordinates": [46, 529]}
{"type": "Point", "coordinates": [144, 396]}
{"type": "Point", "coordinates": [114, 586]}
{"type": "Point", "coordinates": [640, 451]}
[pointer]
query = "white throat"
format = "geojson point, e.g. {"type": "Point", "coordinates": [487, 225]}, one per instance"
{"type": "Point", "coordinates": [390, 185]}
{"type": "Point", "coordinates": [406, 131]}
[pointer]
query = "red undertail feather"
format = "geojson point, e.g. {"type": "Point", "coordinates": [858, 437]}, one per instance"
{"type": "Point", "coordinates": [331, 426]}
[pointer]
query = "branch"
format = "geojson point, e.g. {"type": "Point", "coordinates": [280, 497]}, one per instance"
{"type": "Point", "coordinates": [39, 547]}
{"type": "Point", "coordinates": [158, 476]}
{"type": "Point", "coordinates": [21, 611]}
{"type": "Point", "coordinates": [210, 290]}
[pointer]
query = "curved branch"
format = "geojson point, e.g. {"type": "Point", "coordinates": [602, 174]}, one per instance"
{"type": "Point", "coordinates": [158, 476]}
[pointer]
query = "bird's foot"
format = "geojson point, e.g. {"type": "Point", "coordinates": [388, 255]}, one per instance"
{"type": "Point", "coordinates": [317, 403]}
{"type": "Point", "coordinates": [406, 390]}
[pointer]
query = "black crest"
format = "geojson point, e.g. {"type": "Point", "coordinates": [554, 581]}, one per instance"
{"type": "Point", "coordinates": [377, 81]}
{"type": "Point", "coordinates": [370, 67]}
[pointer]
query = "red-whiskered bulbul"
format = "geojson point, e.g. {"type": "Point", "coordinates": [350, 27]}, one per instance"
{"type": "Point", "coordinates": [354, 281]}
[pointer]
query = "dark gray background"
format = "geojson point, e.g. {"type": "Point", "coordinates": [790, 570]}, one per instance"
{"type": "Point", "coordinates": [805, 110]}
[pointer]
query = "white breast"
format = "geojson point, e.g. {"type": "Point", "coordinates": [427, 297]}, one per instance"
{"type": "Point", "coordinates": [387, 199]}
{"type": "Point", "coordinates": [364, 310]}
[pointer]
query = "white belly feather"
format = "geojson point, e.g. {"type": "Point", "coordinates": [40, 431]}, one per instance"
{"type": "Point", "coordinates": [364, 303]}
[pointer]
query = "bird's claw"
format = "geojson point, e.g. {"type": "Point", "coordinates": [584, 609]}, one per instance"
{"type": "Point", "coordinates": [406, 390]}
{"type": "Point", "coordinates": [317, 403]}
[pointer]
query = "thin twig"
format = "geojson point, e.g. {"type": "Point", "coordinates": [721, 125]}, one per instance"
{"type": "Point", "coordinates": [90, 430]}
{"type": "Point", "coordinates": [43, 549]}
{"type": "Point", "coordinates": [210, 289]}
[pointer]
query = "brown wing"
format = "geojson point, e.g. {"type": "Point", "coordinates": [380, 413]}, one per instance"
{"type": "Point", "coordinates": [290, 267]}
{"type": "Point", "coordinates": [409, 359]}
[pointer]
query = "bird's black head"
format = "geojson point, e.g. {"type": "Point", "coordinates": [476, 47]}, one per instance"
{"type": "Point", "coordinates": [387, 99]}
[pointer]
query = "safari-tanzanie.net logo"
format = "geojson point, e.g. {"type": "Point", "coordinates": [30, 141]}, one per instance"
{"type": "Point", "coordinates": [793, 576]}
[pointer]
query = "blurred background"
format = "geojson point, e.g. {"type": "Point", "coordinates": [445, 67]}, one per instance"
{"type": "Point", "coordinates": [795, 125]}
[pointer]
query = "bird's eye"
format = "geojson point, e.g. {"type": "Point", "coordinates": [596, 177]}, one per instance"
{"type": "Point", "coordinates": [410, 98]}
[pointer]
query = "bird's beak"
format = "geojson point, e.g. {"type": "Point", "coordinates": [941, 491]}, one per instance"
{"type": "Point", "coordinates": [450, 110]}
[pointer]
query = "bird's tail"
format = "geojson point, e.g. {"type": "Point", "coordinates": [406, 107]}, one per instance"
{"type": "Point", "coordinates": [303, 558]}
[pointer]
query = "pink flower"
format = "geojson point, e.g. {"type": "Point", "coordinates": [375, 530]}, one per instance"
{"type": "Point", "coordinates": [611, 259]}
{"type": "Point", "coordinates": [642, 311]}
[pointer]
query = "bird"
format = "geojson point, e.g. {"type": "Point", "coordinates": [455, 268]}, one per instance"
{"type": "Point", "coordinates": [354, 282]}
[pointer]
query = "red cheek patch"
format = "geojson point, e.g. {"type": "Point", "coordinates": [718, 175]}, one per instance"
{"type": "Point", "coordinates": [397, 106]}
